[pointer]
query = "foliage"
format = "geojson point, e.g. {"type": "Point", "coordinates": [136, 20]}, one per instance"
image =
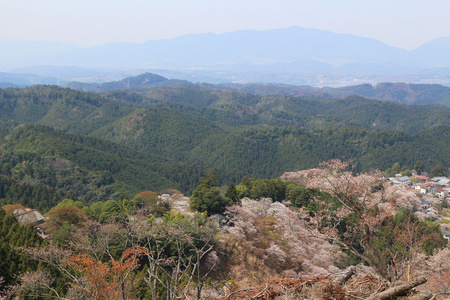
{"type": "Point", "coordinates": [13, 235]}
{"type": "Point", "coordinates": [182, 253]}
{"type": "Point", "coordinates": [402, 237]}
{"type": "Point", "coordinates": [266, 240]}
{"type": "Point", "coordinates": [83, 169]}
{"type": "Point", "coordinates": [89, 277]}
{"type": "Point", "coordinates": [59, 216]}
{"type": "Point", "coordinates": [232, 193]}
{"type": "Point", "coordinates": [438, 171]}
{"type": "Point", "coordinates": [355, 226]}
{"type": "Point", "coordinates": [207, 196]}
{"type": "Point", "coordinates": [209, 200]}
{"type": "Point", "coordinates": [203, 127]}
{"type": "Point", "coordinates": [85, 155]}
{"type": "Point", "coordinates": [102, 280]}
{"type": "Point", "coordinates": [106, 260]}
{"type": "Point", "coordinates": [418, 166]}
{"type": "Point", "coordinates": [301, 196]}
{"type": "Point", "coordinates": [60, 108]}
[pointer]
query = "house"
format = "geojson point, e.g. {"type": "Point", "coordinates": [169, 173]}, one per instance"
{"type": "Point", "coordinates": [425, 205]}
{"type": "Point", "coordinates": [441, 193]}
{"type": "Point", "coordinates": [442, 181]}
{"type": "Point", "coordinates": [429, 187]}
{"type": "Point", "coordinates": [401, 180]}
{"type": "Point", "coordinates": [432, 210]}
{"type": "Point", "coordinates": [424, 178]}
{"type": "Point", "coordinates": [419, 179]}
{"type": "Point", "coordinates": [28, 216]}
{"type": "Point", "coordinates": [446, 234]}
{"type": "Point", "coordinates": [422, 188]}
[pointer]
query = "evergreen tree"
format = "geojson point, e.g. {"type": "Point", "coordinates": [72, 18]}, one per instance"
{"type": "Point", "coordinates": [395, 169]}
{"type": "Point", "coordinates": [207, 196]}
{"type": "Point", "coordinates": [418, 166]}
{"type": "Point", "coordinates": [438, 171]}
{"type": "Point", "coordinates": [232, 193]}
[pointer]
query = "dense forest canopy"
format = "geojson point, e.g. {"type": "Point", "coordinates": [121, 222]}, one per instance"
{"type": "Point", "coordinates": [127, 141]}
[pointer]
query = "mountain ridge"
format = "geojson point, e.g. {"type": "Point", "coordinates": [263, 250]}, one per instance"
{"type": "Point", "coordinates": [250, 49]}
{"type": "Point", "coordinates": [417, 94]}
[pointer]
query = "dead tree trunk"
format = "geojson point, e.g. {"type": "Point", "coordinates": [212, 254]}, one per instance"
{"type": "Point", "coordinates": [398, 289]}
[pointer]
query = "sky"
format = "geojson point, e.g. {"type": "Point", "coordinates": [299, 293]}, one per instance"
{"type": "Point", "coordinates": [401, 23]}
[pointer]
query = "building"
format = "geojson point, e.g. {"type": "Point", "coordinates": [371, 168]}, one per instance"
{"type": "Point", "coordinates": [442, 193]}
{"type": "Point", "coordinates": [28, 216]}
{"type": "Point", "coordinates": [425, 205]}
{"type": "Point", "coordinates": [446, 234]}
{"type": "Point", "coordinates": [442, 181]}
{"type": "Point", "coordinates": [401, 180]}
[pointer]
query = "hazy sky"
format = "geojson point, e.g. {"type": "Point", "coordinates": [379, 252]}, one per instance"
{"type": "Point", "coordinates": [402, 23]}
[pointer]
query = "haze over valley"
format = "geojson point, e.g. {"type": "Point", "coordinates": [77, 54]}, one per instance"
{"type": "Point", "coordinates": [294, 55]}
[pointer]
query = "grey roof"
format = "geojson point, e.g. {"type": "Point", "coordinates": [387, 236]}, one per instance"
{"type": "Point", "coordinates": [28, 216]}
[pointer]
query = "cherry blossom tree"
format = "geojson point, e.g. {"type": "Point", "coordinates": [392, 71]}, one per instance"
{"type": "Point", "coordinates": [265, 240]}
{"type": "Point", "coordinates": [97, 262]}
{"type": "Point", "coordinates": [181, 253]}
{"type": "Point", "coordinates": [5, 292]}
{"type": "Point", "coordinates": [364, 202]}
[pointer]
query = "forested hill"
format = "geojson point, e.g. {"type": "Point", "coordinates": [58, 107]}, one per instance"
{"type": "Point", "coordinates": [146, 80]}
{"type": "Point", "coordinates": [82, 113]}
{"type": "Point", "coordinates": [61, 108]}
{"type": "Point", "coordinates": [235, 108]}
{"type": "Point", "coordinates": [416, 94]}
{"type": "Point", "coordinates": [97, 146]}
{"type": "Point", "coordinates": [82, 168]}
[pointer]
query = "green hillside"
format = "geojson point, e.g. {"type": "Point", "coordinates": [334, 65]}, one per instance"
{"type": "Point", "coordinates": [61, 108]}
{"type": "Point", "coordinates": [99, 146]}
{"type": "Point", "coordinates": [160, 131]}
{"type": "Point", "coordinates": [236, 109]}
{"type": "Point", "coordinates": [267, 153]}
{"type": "Point", "coordinates": [86, 168]}
{"type": "Point", "coordinates": [82, 113]}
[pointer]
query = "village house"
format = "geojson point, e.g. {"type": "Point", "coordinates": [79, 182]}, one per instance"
{"type": "Point", "coordinates": [442, 181]}
{"type": "Point", "coordinates": [419, 179]}
{"type": "Point", "coordinates": [425, 205]}
{"type": "Point", "coordinates": [401, 180]}
{"type": "Point", "coordinates": [422, 188]}
{"type": "Point", "coordinates": [429, 187]}
{"type": "Point", "coordinates": [446, 235]}
{"type": "Point", "coordinates": [27, 216]}
{"type": "Point", "coordinates": [442, 193]}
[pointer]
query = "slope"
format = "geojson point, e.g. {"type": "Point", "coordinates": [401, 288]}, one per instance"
{"type": "Point", "coordinates": [61, 108]}
{"type": "Point", "coordinates": [235, 108]}
{"type": "Point", "coordinates": [88, 168]}
{"type": "Point", "coordinates": [160, 131]}
{"type": "Point", "coordinates": [268, 152]}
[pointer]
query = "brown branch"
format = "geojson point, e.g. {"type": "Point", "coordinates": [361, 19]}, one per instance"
{"type": "Point", "coordinates": [398, 290]}
{"type": "Point", "coordinates": [423, 296]}
{"type": "Point", "coordinates": [345, 276]}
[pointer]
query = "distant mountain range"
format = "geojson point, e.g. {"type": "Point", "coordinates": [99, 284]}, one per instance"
{"type": "Point", "coordinates": [269, 56]}
{"type": "Point", "coordinates": [416, 94]}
